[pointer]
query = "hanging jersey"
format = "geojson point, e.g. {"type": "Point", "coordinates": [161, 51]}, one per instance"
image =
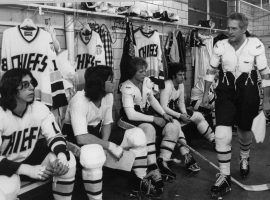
{"type": "Point", "coordinates": [242, 60]}
{"type": "Point", "coordinates": [148, 47]}
{"type": "Point", "coordinates": [90, 53]}
{"type": "Point", "coordinates": [33, 50]}
{"type": "Point", "coordinates": [19, 135]}
{"type": "Point", "coordinates": [82, 113]}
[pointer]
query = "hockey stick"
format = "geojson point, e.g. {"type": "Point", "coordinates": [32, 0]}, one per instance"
{"type": "Point", "coordinates": [254, 188]}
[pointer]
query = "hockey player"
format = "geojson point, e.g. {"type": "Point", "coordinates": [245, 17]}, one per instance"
{"type": "Point", "coordinates": [23, 120]}
{"type": "Point", "coordinates": [141, 108]}
{"type": "Point", "coordinates": [90, 115]}
{"type": "Point", "coordinates": [173, 102]}
{"type": "Point", "coordinates": [237, 95]}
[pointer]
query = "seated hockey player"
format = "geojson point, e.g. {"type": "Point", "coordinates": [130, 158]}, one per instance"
{"type": "Point", "coordinates": [142, 109]}
{"type": "Point", "coordinates": [22, 121]}
{"type": "Point", "coordinates": [173, 102]}
{"type": "Point", "coordinates": [89, 120]}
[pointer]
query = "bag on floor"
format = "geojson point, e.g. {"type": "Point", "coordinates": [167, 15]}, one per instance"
{"type": "Point", "coordinates": [259, 127]}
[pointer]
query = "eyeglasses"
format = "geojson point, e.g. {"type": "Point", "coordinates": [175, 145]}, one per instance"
{"type": "Point", "coordinates": [26, 84]}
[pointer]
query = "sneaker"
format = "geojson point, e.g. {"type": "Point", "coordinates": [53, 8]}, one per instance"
{"type": "Point", "coordinates": [190, 163]}
{"type": "Point", "coordinates": [156, 178]}
{"type": "Point", "coordinates": [221, 186]}
{"type": "Point", "coordinates": [244, 167]}
{"type": "Point", "coordinates": [166, 172]}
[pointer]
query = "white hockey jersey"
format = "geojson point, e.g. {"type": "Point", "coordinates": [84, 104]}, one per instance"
{"type": "Point", "coordinates": [19, 135]}
{"type": "Point", "coordinates": [82, 112]}
{"type": "Point", "coordinates": [148, 47]}
{"type": "Point", "coordinates": [243, 60]}
{"type": "Point", "coordinates": [33, 50]}
{"type": "Point", "coordinates": [90, 53]}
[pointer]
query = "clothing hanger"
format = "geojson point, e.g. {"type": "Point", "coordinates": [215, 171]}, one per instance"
{"type": "Point", "coordinates": [28, 24]}
{"type": "Point", "coordinates": [86, 30]}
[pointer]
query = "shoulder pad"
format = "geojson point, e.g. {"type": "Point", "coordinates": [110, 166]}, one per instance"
{"type": "Point", "coordinates": [219, 48]}
{"type": "Point", "coordinates": [255, 46]}
{"type": "Point", "coordinates": [148, 83]}
{"type": "Point", "coordinates": [126, 88]}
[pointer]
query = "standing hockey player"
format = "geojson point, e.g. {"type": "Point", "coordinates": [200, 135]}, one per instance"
{"type": "Point", "coordinates": [89, 121]}
{"type": "Point", "coordinates": [22, 121]}
{"type": "Point", "coordinates": [142, 109]}
{"type": "Point", "coordinates": [237, 95]}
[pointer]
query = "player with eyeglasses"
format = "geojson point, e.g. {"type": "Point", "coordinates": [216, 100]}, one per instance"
{"type": "Point", "coordinates": [23, 120]}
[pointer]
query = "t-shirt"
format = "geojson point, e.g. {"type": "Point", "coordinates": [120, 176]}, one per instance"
{"type": "Point", "coordinates": [82, 112]}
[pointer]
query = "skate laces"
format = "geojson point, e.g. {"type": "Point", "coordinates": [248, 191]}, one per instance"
{"type": "Point", "coordinates": [221, 179]}
{"type": "Point", "coordinates": [244, 163]}
{"type": "Point", "coordinates": [147, 185]}
{"type": "Point", "coordinates": [155, 175]}
{"type": "Point", "coordinates": [188, 159]}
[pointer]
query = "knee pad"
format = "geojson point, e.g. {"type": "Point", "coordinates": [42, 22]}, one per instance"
{"type": "Point", "coordinates": [149, 130]}
{"type": "Point", "coordinates": [92, 156]}
{"type": "Point", "coordinates": [223, 138]}
{"type": "Point", "coordinates": [170, 131]}
{"type": "Point", "coordinates": [134, 137]}
{"type": "Point", "coordinates": [197, 117]}
{"type": "Point", "coordinates": [2, 195]}
{"type": "Point", "coordinates": [10, 186]}
{"type": "Point", "coordinates": [72, 167]}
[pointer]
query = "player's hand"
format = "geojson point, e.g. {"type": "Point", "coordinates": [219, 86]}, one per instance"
{"type": "Point", "coordinates": [38, 172]}
{"type": "Point", "coordinates": [159, 121]}
{"type": "Point", "coordinates": [185, 118]}
{"type": "Point", "coordinates": [168, 118]}
{"type": "Point", "coordinates": [60, 165]}
{"type": "Point", "coordinates": [205, 101]}
{"type": "Point", "coordinates": [115, 150]}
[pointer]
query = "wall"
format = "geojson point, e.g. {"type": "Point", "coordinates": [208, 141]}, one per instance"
{"type": "Point", "coordinates": [14, 15]}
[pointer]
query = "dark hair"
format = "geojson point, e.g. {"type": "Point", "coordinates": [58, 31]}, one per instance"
{"type": "Point", "coordinates": [8, 86]}
{"type": "Point", "coordinates": [95, 78]}
{"type": "Point", "coordinates": [103, 71]}
{"type": "Point", "coordinates": [241, 18]}
{"type": "Point", "coordinates": [174, 68]}
{"type": "Point", "coordinates": [133, 67]}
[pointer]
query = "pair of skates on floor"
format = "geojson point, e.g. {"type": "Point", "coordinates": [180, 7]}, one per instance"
{"type": "Point", "coordinates": [223, 182]}
{"type": "Point", "coordinates": [152, 184]}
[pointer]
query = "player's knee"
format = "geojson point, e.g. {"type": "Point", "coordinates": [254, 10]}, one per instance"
{"type": "Point", "coordinates": [223, 138]}
{"type": "Point", "coordinates": [92, 156]}
{"type": "Point", "coordinates": [72, 167]}
{"type": "Point", "coordinates": [171, 131]}
{"type": "Point", "coordinates": [197, 117]}
{"type": "Point", "coordinates": [2, 195]}
{"type": "Point", "coordinates": [150, 131]}
{"type": "Point", "coordinates": [135, 137]}
{"type": "Point", "coordinates": [10, 186]}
